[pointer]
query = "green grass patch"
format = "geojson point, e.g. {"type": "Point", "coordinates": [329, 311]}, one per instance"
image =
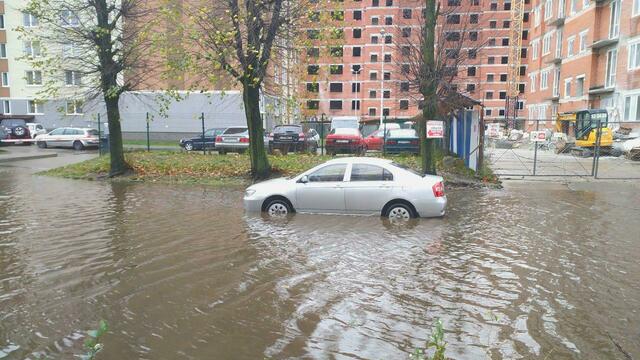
{"type": "Point", "coordinates": [213, 169]}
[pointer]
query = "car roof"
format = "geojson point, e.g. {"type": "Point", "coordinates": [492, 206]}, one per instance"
{"type": "Point", "coordinates": [362, 160]}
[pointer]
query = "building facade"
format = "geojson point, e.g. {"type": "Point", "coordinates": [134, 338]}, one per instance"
{"type": "Point", "coordinates": [585, 54]}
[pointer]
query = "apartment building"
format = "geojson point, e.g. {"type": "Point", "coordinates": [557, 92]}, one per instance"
{"type": "Point", "coordinates": [358, 68]}
{"type": "Point", "coordinates": [584, 54]}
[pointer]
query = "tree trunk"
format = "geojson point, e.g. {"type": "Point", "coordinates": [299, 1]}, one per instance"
{"type": "Point", "coordinates": [429, 89]}
{"type": "Point", "coordinates": [259, 162]}
{"type": "Point", "coordinates": [118, 164]}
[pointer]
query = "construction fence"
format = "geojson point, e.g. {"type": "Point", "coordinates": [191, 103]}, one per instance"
{"type": "Point", "coordinates": [541, 149]}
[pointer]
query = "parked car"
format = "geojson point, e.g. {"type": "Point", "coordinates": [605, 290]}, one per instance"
{"type": "Point", "coordinates": [293, 138]}
{"type": "Point", "coordinates": [77, 138]}
{"type": "Point", "coordinates": [375, 139]}
{"type": "Point", "coordinates": [4, 135]}
{"type": "Point", "coordinates": [402, 141]}
{"type": "Point", "coordinates": [353, 186]}
{"type": "Point", "coordinates": [345, 122]}
{"type": "Point", "coordinates": [233, 139]}
{"type": "Point", "coordinates": [198, 142]}
{"type": "Point", "coordinates": [36, 129]}
{"type": "Point", "coordinates": [344, 140]}
{"type": "Point", "coordinates": [17, 130]}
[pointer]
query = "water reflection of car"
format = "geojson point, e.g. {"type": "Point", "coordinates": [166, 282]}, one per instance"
{"type": "Point", "coordinates": [76, 138]}
{"type": "Point", "coordinates": [199, 142]}
{"type": "Point", "coordinates": [352, 186]}
{"type": "Point", "coordinates": [344, 140]}
{"type": "Point", "coordinates": [402, 141]}
{"type": "Point", "coordinates": [293, 138]}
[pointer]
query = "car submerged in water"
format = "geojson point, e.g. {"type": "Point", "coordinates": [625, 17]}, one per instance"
{"type": "Point", "coordinates": [368, 186]}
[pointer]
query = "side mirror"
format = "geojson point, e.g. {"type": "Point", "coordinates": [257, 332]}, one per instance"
{"type": "Point", "coordinates": [304, 179]}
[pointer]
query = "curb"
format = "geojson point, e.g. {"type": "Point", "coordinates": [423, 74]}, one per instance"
{"type": "Point", "coordinates": [30, 157]}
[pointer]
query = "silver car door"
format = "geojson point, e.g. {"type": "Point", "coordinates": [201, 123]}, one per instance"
{"type": "Point", "coordinates": [324, 191]}
{"type": "Point", "coordinates": [369, 188]}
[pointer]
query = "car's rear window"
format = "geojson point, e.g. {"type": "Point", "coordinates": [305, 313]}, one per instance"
{"type": "Point", "coordinates": [93, 132]}
{"type": "Point", "coordinates": [402, 133]}
{"type": "Point", "coordinates": [345, 131]}
{"type": "Point", "coordinates": [404, 167]}
{"type": "Point", "coordinates": [235, 131]}
{"type": "Point", "coordinates": [285, 129]}
{"type": "Point", "coordinates": [13, 122]}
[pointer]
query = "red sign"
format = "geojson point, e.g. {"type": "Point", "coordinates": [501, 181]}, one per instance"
{"type": "Point", "coordinates": [435, 129]}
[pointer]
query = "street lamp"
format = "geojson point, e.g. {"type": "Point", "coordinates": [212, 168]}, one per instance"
{"type": "Point", "coordinates": [383, 38]}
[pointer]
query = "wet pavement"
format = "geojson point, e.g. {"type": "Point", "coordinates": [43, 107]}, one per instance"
{"type": "Point", "coordinates": [540, 271]}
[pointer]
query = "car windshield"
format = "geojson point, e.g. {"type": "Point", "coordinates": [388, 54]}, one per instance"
{"type": "Point", "coordinates": [402, 133]}
{"type": "Point", "coordinates": [345, 131]}
{"type": "Point", "coordinates": [286, 129]}
{"type": "Point", "coordinates": [405, 167]}
{"type": "Point", "coordinates": [13, 122]}
{"type": "Point", "coordinates": [235, 131]}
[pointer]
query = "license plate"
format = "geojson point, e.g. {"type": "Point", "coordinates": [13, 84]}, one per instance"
{"type": "Point", "coordinates": [286, 138]}
{"type": "Point", "coordinates": [231, 140]}
{"type": "Point", "coordinates": [404, 142]}
{"type": "Point", "coordinates": [342, 141]}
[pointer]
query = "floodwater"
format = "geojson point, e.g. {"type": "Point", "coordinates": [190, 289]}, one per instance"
{"type": "Point", "coordinates": [182, 272]}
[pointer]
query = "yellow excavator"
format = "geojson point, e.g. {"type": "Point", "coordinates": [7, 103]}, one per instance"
{"type": "Point", "coordinates": [582, 128]}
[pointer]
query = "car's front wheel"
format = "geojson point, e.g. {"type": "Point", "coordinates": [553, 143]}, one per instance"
{"type": "Point", "coordinates": [278, 208]}
{"type": "Point", "coordinates": [188, 146]}
{"type": "Point", "coordinates": [77, 145]}
{"type": "Point", "coordinates": [42, 144]}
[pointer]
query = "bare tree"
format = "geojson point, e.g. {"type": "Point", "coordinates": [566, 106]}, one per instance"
{"type": "Point", "coordinates": [97, 46]}
{"type": "Point", "coordinates": [431, 62]}
{"type": "Point", "coordinates": [237, 39]}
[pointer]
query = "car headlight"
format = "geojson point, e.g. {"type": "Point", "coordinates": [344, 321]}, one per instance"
{"type": "Point", "coordinates": [249, 192]}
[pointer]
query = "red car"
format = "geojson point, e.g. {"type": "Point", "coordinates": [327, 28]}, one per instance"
{"type": "Point", "coordinates": [345, 140]}
{"type": "Point", "coordinates": [374, 141]}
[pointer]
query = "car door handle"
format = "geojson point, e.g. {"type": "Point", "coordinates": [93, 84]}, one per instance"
{"type": "Point", "coordinates": [338, 186]}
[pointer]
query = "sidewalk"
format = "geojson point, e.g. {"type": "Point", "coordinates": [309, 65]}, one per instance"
{"type": "Point", "coordinates": [23, 152]}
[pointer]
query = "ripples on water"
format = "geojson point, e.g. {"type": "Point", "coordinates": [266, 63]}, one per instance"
{"type": "Point", "coordinates": [182, 272]}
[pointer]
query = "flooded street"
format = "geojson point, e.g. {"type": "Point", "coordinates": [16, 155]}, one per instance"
{"type": "Point", "coordinates": [533, 271]}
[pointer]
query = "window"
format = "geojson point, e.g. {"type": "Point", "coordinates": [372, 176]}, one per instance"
{"type": "Point", "coordinates": [494, 6]}
{"type": "Point", "coordinates": [636, 8]}
{"type": "Point", "coordinates": [313, 104]}
{"type": "Point", "coordinates": [374, 20]}
{"type": "Point", "coordinates": [583, 41]}
{"type": "Point", "coordinates": [355, 104]}
{"type": "Point", "coordinates": [544, 80]}
{"type": "Point", "coordinates": [313, 52]}
{"type": "Point", "coordinates": [490, 78]}
{"type": "Point", "coordinates": [493, 24]}
{"type": "Point", "coordinates": [471, 88]}
{"type": "Point", "coordinates": [404, 86]}
{"type": "Point", "coordinates": [374, 39]}
{"type": "Point", "coordinates": [1, 21]}
{"type": "Point", "coordinates": [365, 172]}
{"type": "Point", "coordinates": [336, 69]}
{"type": "Point", "coordinates": [385, 112]}
{"type": "Point", "coordinates": [337, 15]}
{"type": "Point", "coordinates": [471, 71]}
{"type": "Point", "coordinates": [355, 87]}
{"type": "Point", "coordinates": [502, 95]}
{"type": "Point", "coordinates": [34, 77]}
{"type": "Point", "coordinates": [406, 13]}
{"type": "Point", "coordinates": [373, 58]}
{"type": "Point", "coordinates": [357, 50]}
{"type": "Point", "coordinates": [561, 8]}
{"type": "Point", "coordinates": [452, 36]}
{"type": "Point", "coordinates": [72, 78]}
{"type": "Point", "coordinates": [313, 87]}
{"type": "Point", "coordinates": [387, 58]}
{"type": "Point", "coordinates": [388, 20]}
{"type": "Point", "coordinates": [356, 68]}
{"type": "Point", "coordinates": [556, 83]}
{"type": "Point", "coordinates": [313, 34]}
{"type": "Point", "coordinates": [533, 79]}
{"type": "Point", "coordinates": [536, 15]}
{"type": "Point", "coordinates": [535, 44]}
{"type": "Point", "coordinates": [69, 18]}
{"type": "Point", "coordinates": [612, 61]}
{"type": "Point", "coordinates": [74, 107]}
{"type": "Point", "coordinates": [34, 107]}
{"type": "Point", "coordinates": [548, 9]}
{"type": "Point", "coordinates": [357, 15]}
{"type": "Point", "coordinates": [506, 24]}
{"type": "Point", "coordinates": [632, 108]}
{"type": "Point", "coordinates": [335, 104]}
{"type": "Point", "coordinates": [357, 33]}
{"type": "Point", "coordinates": [386, 76]}
{"type": "Point", "coordinates": [570, 41]}
{"type": "Point", "coordinates": [388, 39]}
{"type": "Point", "coordinates": [3, 51]}
{"type": "Point", "coordinates": [453, 19]}
{"type": "Point", "coordinates": [546, 43]}
{"type": "Point", "coordinates": [335, 87]}
{"type": "Point", "coordinates": [405, 51]}
{"type": "Point", "coordinates": [29, 20]}
{"type": "Point", "coordinates": [580, 86]}
{"type": "Point", "coordinates": [473, 18]}
{"type": "Point", "coordinates": [505, 41]}
{"type": "Point", "coordinates": [313, 69]}
{"type": "Point", "coordinates": [585, 4]}
{"type": "Point", "coordinates": [389, 2]}
{"type": "Point", "coordinates": [634, 55]}
{"type": "Point", "coordinates": [32, 49]}
{"type": "Point", "coordinates": [386, 94]}
{"type": "Point", "coordinates": [6, 107]}
{"type": "Point", "coordinates": [492, 42]}
{"type": "Point", "coordinates": [567, 88]}
{"type": "Point", "coordinates": [406, 32]}
{"type": "Point", "coordinates": [507, 5]}
{"type": "Point", "coordinates": [614, 22]}
{"type": "Point", "coordinates": [503, 77]}
{"type": "Point", "coordinates": [574, 7]}
{"type": "Point", "coordinates": [372, 111]}
{"type": "Point", "coordinates": [404, 104]}
{"type": "Point", "coordinates": [473, 36]}
{"type": "Point", "coordinates": [373, 75]}
{"type": "Point", "coordinates": [372, 94]}
{"type": "Point", "coordinates": [558, 43]}
{"type": "Point", "coordinates": [336, 51]}
{"type": "Point", "coordinates": [329, 173]}
{"type": "Point", "coordinates": [487, 112]}
{"type": "Point", "coordinates": [314, 16]}
{"type": "Point", "coordinates": [5, 79]}
{"type": "Point", "coordinates": [488, 95]}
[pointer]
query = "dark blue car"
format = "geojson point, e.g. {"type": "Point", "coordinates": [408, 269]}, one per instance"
{"type": "Point", "coordinates": [402, 141]}
{"type": "Point", "coordinates": [198, 142]}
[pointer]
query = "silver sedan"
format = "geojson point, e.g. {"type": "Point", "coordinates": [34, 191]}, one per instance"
{"type": "Point", "coordinates": [352, 186]}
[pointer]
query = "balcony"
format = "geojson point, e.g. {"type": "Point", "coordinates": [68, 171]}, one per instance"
{"type": "Point", "coordinates": [557, 22]}
{"type": "Point", "coordinates": [600, 90]}
{"type": "Point", "coordinates": [603, 43]}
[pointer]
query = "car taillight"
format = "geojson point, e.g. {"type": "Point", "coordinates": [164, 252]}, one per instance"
{"type": "Point", "coordinates": [218, 138]}
{"type": "Point", "coordinates": [301, 136]}
{"type": "Point", "coordinates": [438, 189]}
{"type": "Point", "coordinates": [270, 136]}
{"type": "Point", "coordinates": [328, 141]}
{"type": "Point", "coordinates": [414, 142]}
{"type": "Point", "coordinates": [244, 140]}
{"type": "Point", "coordinates": [391, 142]}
